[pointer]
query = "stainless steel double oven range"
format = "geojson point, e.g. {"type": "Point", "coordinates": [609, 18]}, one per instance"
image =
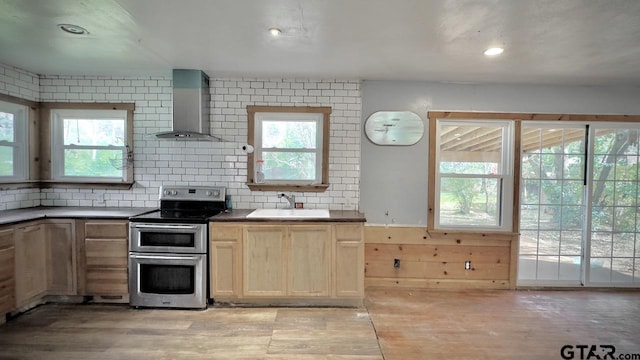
{"type": "Point", "coordinates": [168, 248]}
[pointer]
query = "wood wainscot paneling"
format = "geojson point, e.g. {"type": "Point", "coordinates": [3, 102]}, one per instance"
{"type": "Point", "coordinates": [436, 259]}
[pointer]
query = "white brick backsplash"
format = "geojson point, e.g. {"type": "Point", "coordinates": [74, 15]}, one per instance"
{"type": "Point", "coordinates": [18, 199]}
{"type": "Point", "coordinates": [19, 83]}
{"type": "Point", "coordinates": [160, 162]}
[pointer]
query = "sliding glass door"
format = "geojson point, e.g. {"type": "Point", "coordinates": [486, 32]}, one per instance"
{"type": "Point", "coordinates": [613, 256]}
{"type": "Point", "coordinates": [552, 205]}
{"type": "Point", "coordinates": [579, 221]}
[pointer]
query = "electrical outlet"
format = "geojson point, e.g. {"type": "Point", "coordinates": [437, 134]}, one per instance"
{"type": "Point", "coordinates": [467, 265]}
{"type": "Point", "coordinates": [100, 197]}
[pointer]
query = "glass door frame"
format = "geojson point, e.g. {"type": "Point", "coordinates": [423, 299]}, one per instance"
{"type": "Point", "coordinates": [579, 282]}
{"type": "Point", "coordinates": [587, 281]}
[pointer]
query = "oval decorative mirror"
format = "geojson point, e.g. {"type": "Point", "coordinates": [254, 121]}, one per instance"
{"type": "Point", "coordinates": [394, 128]}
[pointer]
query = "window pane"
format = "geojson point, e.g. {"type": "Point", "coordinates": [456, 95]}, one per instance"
{"type": "Point", "coordinates": [571, 243]}
{"type": "Point", "coordinates": [92, 163]}
{"type": "Point", "coordinates": [468, 149]}
{"type": "Point", "coordinates": [289, 134]}
{"type": "Point", "coordinates": [572, 217]}
{"type": "Point", "coordinates": [530, 192]}
{"type": "Point", "coordinates": [469, 201]}
{"type": "Point", "coordinates": [474, 168]}
{"type": "Point", "coordinates": [289, 165]}
{"type": "Point", "coordinates": [6, 161]}
{"type": "Point", "coordinates": [90, 132]}
{"type": "Point", "coordinates": [6, 127]}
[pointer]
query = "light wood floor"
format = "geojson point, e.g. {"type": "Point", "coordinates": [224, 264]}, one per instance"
{"type": "Point", "coordinates": [410, 324]}
{"type": "Point", "coordinates": [118, 332]}
{"type": "Point", "coordinates": [419, 324]}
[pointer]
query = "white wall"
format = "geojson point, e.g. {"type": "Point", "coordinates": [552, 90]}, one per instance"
{"type": "Point", "coordinates": [394, 179]}
{"type": "Point", "coordinates": [160, 162]}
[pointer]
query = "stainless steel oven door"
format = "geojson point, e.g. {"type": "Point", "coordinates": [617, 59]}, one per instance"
{"type": "Point", "coordinates": [168, 238]}
{"type": "Point", "coordinates": [167, 280]}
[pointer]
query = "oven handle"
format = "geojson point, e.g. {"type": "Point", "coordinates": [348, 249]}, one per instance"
{"type": "Point", "coordinates": [151, 257]}
{"type": "Point", "coordinates": [181, 227]}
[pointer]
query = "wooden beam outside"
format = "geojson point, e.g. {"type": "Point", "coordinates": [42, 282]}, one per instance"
{"type": "Point", "coordinates": [531, 116]}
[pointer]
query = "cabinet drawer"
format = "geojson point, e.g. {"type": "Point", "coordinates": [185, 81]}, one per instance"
{"type": "Point", "coordinates": [6, 239]}
{"type": "Point", "coordinates": [103, 281]}
{"type": "Point", "coordinates": [106, 253]}
{"type": "Point", "coordinates": [107, 230]}
{"type": "Point", "coordinates": [225, 232]}
{"type": "Point", "coordinates": [7, 264]}
{"type": "Point", "coordinates": [349, 232]}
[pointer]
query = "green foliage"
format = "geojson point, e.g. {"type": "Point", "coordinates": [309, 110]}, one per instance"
{"type": "Point", "coordinates": [289, 166]}
{"type": "Point", "coordinates": [91, 163]}
{"type": "Point", "coordinates": [464, 192]}
{"type": "Point", "coordinates": [6, 161]}
{"type": "Point", "coordinates": [6, 152]}
{"type": "Point", "coordinates": [554, 176]}
{"type": "Point", "coordinates": [615, 194]}
{"type": "Point", "coordinates": [6, 126]}
{"type": "Point", "coordinates": [289, 135]}
{"type": "Point", "coordinates": [95, 133]}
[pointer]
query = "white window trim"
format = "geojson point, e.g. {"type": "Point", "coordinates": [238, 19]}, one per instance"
{"type": "Point", "coordinates": [317, 118]}
{"type": "Point", "coordinates": [57, 142]}
{"type": "Point", "coordinates": [20, 144]}
{"type": "Point", "coordinates": [506, 191]}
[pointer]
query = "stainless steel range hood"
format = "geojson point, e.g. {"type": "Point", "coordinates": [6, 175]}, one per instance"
{"type": "Point", "coordinates": [190, 107]}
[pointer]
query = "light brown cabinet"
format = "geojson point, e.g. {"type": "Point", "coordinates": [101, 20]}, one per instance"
{"type": "Point", "coordinates": [7, 271]}
{"type": "Point", "coordinates": [308, 263]}
{"type": "Point", "coordinates": [61, 257]}
{"type": "Point", "coordinates": [263, 261]}
{"type": "Point", "coordinates": [30, 263]}
{"type": "Point", "coordinates": [349, 270]}
{"type": "Point", "coordinates": [225, 252]}
{"type": "Point", "coordinates": [104, 257]}
{"type": "Point", "coordinates": [287, 260]}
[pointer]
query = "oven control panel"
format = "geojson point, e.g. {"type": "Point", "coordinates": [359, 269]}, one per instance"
{"type": "Point", "coordinates": [192, 193]}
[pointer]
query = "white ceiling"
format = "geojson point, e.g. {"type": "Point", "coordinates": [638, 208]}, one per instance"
{"type": "Point", "coordinates": [576, 42]}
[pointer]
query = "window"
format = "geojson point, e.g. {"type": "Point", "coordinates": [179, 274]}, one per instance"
{"type": "Point", "coordinates": [13, 142]}
{"type": "Point", "coordinates": [90, 145]}
{"type": "Point", "coordinates": [291, 146]}
{"type": "Point", "coordinates": [474, 176]}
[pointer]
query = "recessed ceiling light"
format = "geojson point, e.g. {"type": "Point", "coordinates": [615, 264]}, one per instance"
{"type": "Point", "coordinates": [494, 51]}
{"type": "Point", "coordinates": [73, 29]}
{"type": "Point", "coordinates": [275, 32]}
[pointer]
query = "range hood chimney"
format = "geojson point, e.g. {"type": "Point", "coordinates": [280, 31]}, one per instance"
{"type": "Point", "coordinates": [190, 107]}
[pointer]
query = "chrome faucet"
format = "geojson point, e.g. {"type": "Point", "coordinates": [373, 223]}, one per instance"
{"type": "Point", "coordinates": [291, 199]}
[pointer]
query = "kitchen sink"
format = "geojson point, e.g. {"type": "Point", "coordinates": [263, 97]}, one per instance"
{"type": "Point", "coordinates": [289, 214]}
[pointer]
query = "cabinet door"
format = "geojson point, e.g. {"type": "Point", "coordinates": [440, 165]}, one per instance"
{"type": "Point", "coordinates": [309, 261]}
{"type": "Point", "coordinates": [106, 257]}
{"type": "Point", "coordinates": [7, 269]}
{"type": "Point", "coordinates": [61, 257]}
{"type": "Point", "coordinates": [225, 260]}
{"type": "Point", "coordinates": [349, 262]}
{"type": "Point", "coordinates": [263, 261]}
{"type": "Point", "coordinates": [31, 263]}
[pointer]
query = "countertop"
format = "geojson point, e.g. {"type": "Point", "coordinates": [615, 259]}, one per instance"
{"type": "Point", "coordinates": [62, 212]}
{"type": "Point", "coordinates": [334, 216]}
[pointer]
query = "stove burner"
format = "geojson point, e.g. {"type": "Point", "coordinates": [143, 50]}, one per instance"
{"type": "Point", "coordinates": [186, 204]}
{"type": "Point", "coordinates": [182, 214]}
